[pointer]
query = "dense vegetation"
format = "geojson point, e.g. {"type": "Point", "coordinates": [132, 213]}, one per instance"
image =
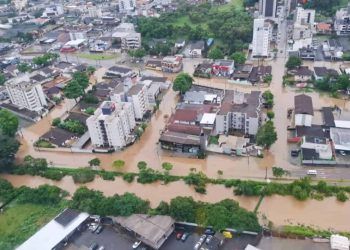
{"type": "Point", "coordinates": [230, 26]}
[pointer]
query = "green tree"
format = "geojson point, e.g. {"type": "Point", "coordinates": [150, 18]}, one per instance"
{"type": "Point", "coordinates": [94, 162]}
{"type": "Point", "coordinates": [279, 172]}
{"type": "Point", "coordinates": [137, 53]}
{"type": "Point", "coordinates": [24, 67]}
{"type": "Point", "coordinates": [2, 79]}
{"type": "Point", "coordinates": [183, 82]}
{"type": "Point", "coordinates": [8, 123]}
{"type": "Point", "coordinates": [90, 70]}
{"type": "Point", "coordinates": [341, 196]}
{"type": "Point", "coordinates": [81, 78]}
{"type": "Point", "coordinates": [73, 126]}
{"type": "Point", "coordinates": [270, 114]}
{"type": "Point", "coordinates": [183, 209]}
{"type": "Point", "coordinates": [266, 135]}
{"type": "Point", "coordinates": [118, 164]}
{"type": "Point", "coordinates": [37, 164]}
{"type": "Point", "coordinates": [45, 59]}
{"type": "Point", "coordinates": [215, 53]}
{"type": "Point", "coordinates": [8, 149]}
{"type": "Point", "coordinates": [293, 62]}
{"type": "Point", "coordinates": [268, 98]}
{"type": "Point", "coordinates": [73, 90]}
{"type": "Point", "coordinates": [343, 82]}
{"type": "Point", "coordinates": [167, 166]}
{"type": "Point", "coordinates": [218, 217]}
{"type": "Point", "coordinates": [238, 57]}
{"type": "Point", "coordinates": [56, 122]}
{"type": "Point", "coordinates": [267, 79]}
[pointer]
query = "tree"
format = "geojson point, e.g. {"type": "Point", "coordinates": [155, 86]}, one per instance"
{"type": "Point", "coordinates": [220, 173]}
{"type": "Point", "coordinates": [167, 166]}
{"type": "Point", "coordinates": [266, 135]}
{"type": "Point", "coordinates": [8, 149]}
{"type": "Point", "coordinates": [95, 162]}
{"type": "Point", "coordinates": [73, 90]}
{"type": "Point", "coordinates": [267, 79]}
{"type": "Point", "coordinates": [183, 82]}
{"type": "Point", "coordinates": [270, 115]}
{"type": "Point", "coordinates": [142, 165]}
{"type": "Point", "coordinates": [183, 209]}
{"type": "Point", "coordinates": [81, 78]}
{"type": "Point", "coordinates": [56, 122]}
{"type": "Point", "coordinates": [343, 82]}
{"type": "Point", "coordinates": [24, 67]}
{"type": "Point", "coordinates": [8, 123]}
{"type": "Point", "coordinates": [118, 164]}
{"type": "Point", "coordinates": [238, 57]}
{"type": "Point", "coordinates": [293, 62]}
{"type": "Point", "coordinates": [268, 98]}
{"type": "Point", "coordinates": [341, 196]}
{"type": "Point", "coordinates": [279, 172]}
{"type": "Point", "coordinates": [137, 53]}
{"type": "Point", "coordinates": [90, 70]}
{"type": "Point", "coordinates": [45, 59]}
{"type": "Point", "coordinates": [215, 53]}
{"type": "Point", "coordinates": [2, 79]}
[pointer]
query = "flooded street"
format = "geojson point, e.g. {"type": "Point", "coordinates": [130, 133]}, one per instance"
{"type": "Point", "coordinates": [281, 210]}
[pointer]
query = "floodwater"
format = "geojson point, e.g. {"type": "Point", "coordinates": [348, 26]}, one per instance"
{"type": "Point", "coordinates": [281, 210]}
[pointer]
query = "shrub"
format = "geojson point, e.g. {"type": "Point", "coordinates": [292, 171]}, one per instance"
{"type": "Point", "coordinates": [118, 164]}
{"type": "Point", "coordinates": [56, 121]}
{"type": "Point", "coordinates": [53, 174]}
{"type": "Point", "coordinates": [341, 196]}
{"type": "Point", "coordinates": [83, 175]}
{"type": "Point", "coordinates": [141, 165]}
{"type": "Point", "coordinates": [128, 177]}
{"type": "Point", "coordinates": [108, 176]}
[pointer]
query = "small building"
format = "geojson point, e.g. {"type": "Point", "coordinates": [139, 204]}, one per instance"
{"type": "Point", "coordinates": [242, 72]}
{"type": "Point", "coordinates": [151, 230]}
{"type": "Point", "coordinates": [180, 43]}
{"type": "Point", "coordinates": [172, 64]}
{"type": "Point", "coordinates": [59, 137]}
{"type": "Point", "coordinates": [340, 138]}
{"type": "Point", "coordinates": [321, 72]}
{"type": "Point", "coordinates": [196, 49]}
{"type": "Point", "coordinates": [180, 142]}
{"type": "Point", "coordinates": [258, 74]}
{"type": "Point", "coordinates": [154, 64]}
{"type": "Point", "coordinates": [223, 68]}
{"type": "Point", "coordinates": [303, 110]}
{"type": "Point", "coordinates": [57, 232]}
{"type": "Point", "coordinates": [302, 74]}
{"type": "Point", "coordinates": [118, 71]}
{"type": "Point", "coordinates": [324, 28]}
{"type": "Point", "coordinates": [339, 242]}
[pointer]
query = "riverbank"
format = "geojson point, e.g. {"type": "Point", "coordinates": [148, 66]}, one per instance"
{"type": "Point", "coordinates": [280, 210]}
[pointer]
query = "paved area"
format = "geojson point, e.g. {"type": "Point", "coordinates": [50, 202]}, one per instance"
{"type": "Point", "coordinates": [279, 243]}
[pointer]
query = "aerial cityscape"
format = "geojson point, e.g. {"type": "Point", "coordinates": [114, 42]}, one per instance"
{"type": "Point", "coordinates": [175, 124]}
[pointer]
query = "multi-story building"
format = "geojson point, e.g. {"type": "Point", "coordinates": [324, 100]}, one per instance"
{"type": "Point", "coordinates": [172, 64]}
{"type": "Point", "coordinates": [25, 94]}
{"type": "Point", "coordinates": [267, 8]}
{"type": "Point", "coordinates": [111, 125]}
{"type": "Point", "coordinates": [127, 6]}
{"type": "Point", "coordinates": [94, 12]}
{"type": "Point", "coordinates": [138, 96]}
{"type": "Point", "coordinates": [262, 33]}
{"type": "Point", "coordinates": [127, 37]}
{"type": "Point", "coordinates": [342, 21]}
{"type": "Point", "coordinates": [20, 4]}
{"type": "Point", "coordinates": [239, 112]}
{"type": "Point", "coordinates": [303, 28]}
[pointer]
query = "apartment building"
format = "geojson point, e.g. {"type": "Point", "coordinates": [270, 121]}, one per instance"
{"type": "Point", "coordinates": [127, 37]}
{"type": "Point", "coordinates": [262, 33]}
{"type": "Point", "coordinates": [138, 96]}
{"type": "Point", "coordinates": [267, 8]}
{"type": "Point", "coordinates": [111, 125]}
{"type": "Point", "coordinates": [26, 94]}
{"type": "Point", "coordinates": [20, 4]}
{"type": "Point", "coordinates": [239, 112]}
{"type": "Point", "coordinates": [127, 6]}
{"type": "Point", "coordinates": [342, 21]}
{"type": "Point", "coordinates": [303, 28]}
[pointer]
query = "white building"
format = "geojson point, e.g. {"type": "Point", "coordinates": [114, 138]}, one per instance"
{"type": "Point", "coordinates": [261, 38]}
{"type": "Point", "coordinates": [267, 8]}
{"type": "Point", "coordinates": [138, 96]}
{"type": "Point", "coordinates": [127, 36]}
{"type": "Point", "coordinates": [77, 35]}
{"type": "Point", "coordinates": [20, 4]}
{"type": "Point", "coordinates": [25, 94]}
{"type": "Point", "coordinates": [127, 6]}
{"type": "Point", "coordinates": [342, 21]}
{"type": "Point", "coordinates": [54, 10]}
{"type": "Point", "coordinates": [239, 111]}
{"type": "Point", "coordinates": [111, 125]}
{"type": "Point", "coordinates": [303, 110]}
{"type": "Point", "coordinates": [303, 28]}
{"type": "Point", "coordinates": [94, 12]}
{"type": "Point", "coordinates": [321, 146]}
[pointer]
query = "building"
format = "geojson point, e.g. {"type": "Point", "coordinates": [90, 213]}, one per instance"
{"type": "Point", "coordinates": [196, 49]}
{"type": "Point", "coordinates": [138, 96]}
{"type": "Point", "coordinates": [151, 230]}
{"type": "Point", "coordinates": [20, 4]}
{"type": "Point", "coordinates": [111, 125]}
{"type": "Point", "coordinates": [316, 151]}
{"type": "Point", "coordinates": [94, 12]}
{"type": "Point", "coordinates": [239, 112]}
{"type": "Point", "coordinates": [321, 72]}
{"type": "Point", "coordinates": [26, 94]}
{"type": "Point", "coordinates": [57, 232]}
{"type": "Point", "coordinates": [223, 68]}
{"type": "Point", "coordinates": [340, 138]}
{"type": "Point", "coordinates": [127, 6]}
{"type": "Point", "coordinates": [127, 37]}
{"type": "Point", "coordinates": [303, 110]}
{"type": "Point", "coordinates": [118, 71]}
{"type": "Point", "coordinates": [172, 64]}
{"type": "Point", "coordinates": [303, 28]}
{"type": "Point", "coordinates": [262, 32]}
{"type": "Point", "coordinates": [267, 8]}
{"type": "Point", "coordinates": [342, 21]}
{"type": "Point", "coordinates": [302, 74]}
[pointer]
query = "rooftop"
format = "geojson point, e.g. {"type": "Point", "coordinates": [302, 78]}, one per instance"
{"type": "Point", "coordinates": [180, 138]}
{"type": "Point", "coordinates": [134, 90]}
{"type": "Point", "coordinates": [303, 104]}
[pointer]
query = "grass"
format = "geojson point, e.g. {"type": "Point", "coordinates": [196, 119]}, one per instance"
{"type": "Point", "coordinates": [44, 144]}
{"type": "Point", "coordinates": [237, 3]}
{"type": "Point", "coordinates": [214, 140]}
{"type": "Point", "coordinates": [21, 221]}
{"type": "Point", "coordinates": [97, 56]}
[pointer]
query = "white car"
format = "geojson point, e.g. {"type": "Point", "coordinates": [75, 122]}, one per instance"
{"type": "Point", "coordinates": [312, 172]}
{"type": "Point", "coordinates": [342, 152]}
{"type": "Point", "coordinates": [136, 244]}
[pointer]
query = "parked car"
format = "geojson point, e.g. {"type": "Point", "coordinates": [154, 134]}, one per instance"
{"type": "Point", "coordinates": [179, 235]}
{"type": "Point", "coordinates": [342, 152]}
{"type": "Point", "coordinates": [101, 248]}
{"type": "Point", "coordinates": [294, 153]}
{"type": "Point", "coordinates": [202, 239]}
{"type": "Point", "coordinates": [93, 246]}
{"type": "Point", "coordinates": [197, 246]}
{"type": "Point", "coordinates": [209, 231]}
{"type": "Point", "coordinates": [99, 229]}
{"type": "Point", "coordinates": [208, 240]}
{"type": "Point", "coordinates": [185, 236]}
{"type": "Point", "coordinates": [136, 244]}
{"type": "Point", "coordinates": [312, 172]}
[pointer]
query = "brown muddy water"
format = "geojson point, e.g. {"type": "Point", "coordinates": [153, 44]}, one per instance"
{"type": "Point", "coordinates": [281, 210]}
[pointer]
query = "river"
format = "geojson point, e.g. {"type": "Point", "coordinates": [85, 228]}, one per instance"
{"type": "Point", "coordinates": [281, 210]}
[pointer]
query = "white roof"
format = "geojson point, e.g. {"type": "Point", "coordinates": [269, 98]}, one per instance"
{"type": "Point", "coordinates": [75, 42]}
{"type": "Point", "coordinates": [347, 71]}
{"type": "Point", "coordinates": [339, 242]}
{"type": "Point", "coordinates": [250, 247]}
{"type": "Point", "coordinates": [208, 118]}
{"type": "Point", "coordinates": [210, 97]}
{"type": "Point", "coordinates": [52, 234]}
{"type": "Point", "coordinates": [342, 124]}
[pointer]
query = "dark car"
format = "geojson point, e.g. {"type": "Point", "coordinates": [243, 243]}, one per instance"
{"type": "Point", "coordinates": [185, 236]}
{"type": "Point", "coordinates": [294, 153]}
{"type": "Point", "coordinates": [209, 231]}
{"type": "Point", "coordinates": [93, 246]}
{"type": "Point", "coordinates": [179, 235]}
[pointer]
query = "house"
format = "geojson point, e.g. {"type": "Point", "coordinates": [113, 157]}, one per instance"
{"type": "Point", "coordinates": [118, 71]}
{"type": "Point", "coordinates": [307, 53]}
{"type": "Point", "coordinates": [258, 74]}
{"type": "Point", "coordinates": [59, 137]}
{"type": "Point", "coordinates": [302, 74]}
{"type": "Point", "coordinates": [303, 110]}
{"type": "Point", "coordinates": [180, 142]}
{"type": "Point", "coordinates": [242, 72]}
{"type": "Point", "coordinates": [340, 138]}
{"type": "Point", "coordinates": [321, 72]}
{"type": "Point", "coordinates": [324, 28]}
{"type": "Point", "coordinates": [196, 49]}
{"type": "Point", "coordinates": [315, 150]}
{"type": "Point", "coordinates": [172, 64]}
{"type": "Point", "coordinates": [179, 44]}
{"type": "Point", "coordinates": [203, 70]}
{"type": "Point", "coordinates": [154, 64]}
{"type": "Point", "coordinates": [223, 68]}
